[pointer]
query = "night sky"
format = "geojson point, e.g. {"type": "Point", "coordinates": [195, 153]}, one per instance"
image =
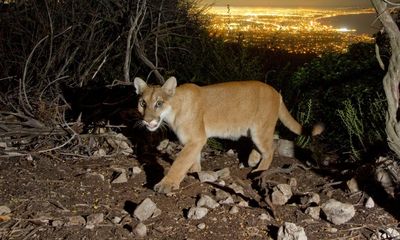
{"type": "Point", "coordinates": [292, 3]}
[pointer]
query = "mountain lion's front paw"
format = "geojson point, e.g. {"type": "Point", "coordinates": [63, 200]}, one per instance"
{"type": "Point", "coordinates": [165, 186]}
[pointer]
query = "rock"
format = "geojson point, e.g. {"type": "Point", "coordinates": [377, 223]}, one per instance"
{"type": "Point", "coordinates": [207, 176]}
{"type": "Point", "coordinates": [281, 194]}
{"type": "Point", "coordinates": [227, 201]}
{"type": "Point", "coordinates": [221, 195]}
{"type": "Point", "coordinates": [289, 231]}
{"type": "Point", "coordinates": [352, 185]}
{"type": "Point", "coordinates": [119, 176]}
{"type": "Point", "coordinates": [370, 203]}
{"type": "Point", "coordinates": [76, 221]}
{"type": "Point", "coordinates": [101, 152]}
{"type": "Point", "coordinates": [236, 188]}
{"type": "Point", "coordinates": [4, 210]}
{"type": "Point", "coordinates": [314, 198]}
{"type": "Point", "coordinates": [57, 223]}
{"type": "Point", "coordinates": [197, 213]}
{"type": "Point", "coordinates": [201, 226]}
{"type": "Point", "coordinates": [116, 220]}
{"type": "Point", "coordinates": [145, 210]}
{"type": "Point", "coordinates": [310, 198]}
{"type": "Point", "coordinates": [222, 183]}
{"type": "Point", "coordinates": [207, 201]}
{"type": "Point", "coordinates": [224, 173]}
{"type": "Point", "coordinates": [136, 170]}
{"type": "Point", "coordinates": [94, 219]}
{"type": "Point", "coordinates": [265, 217]}
{"type": "Point", "coordinates": [140, 230]}
{"type": "Point", "coordinates": [230, 153]}
{"type": "Point", "coordinates": [338, 212]}
{"type": "Point", "coordinates": [285, 148]}
{"type": "Point", "coordinates": [314, 212]}
{"type": "Point", "coordinates": [243, 204]}
{"type": "Point", "coordinates": [120, 142]}
{"type": "Point", "coordinates": [234, 210]}
{"type": "Point", "coordinates": [331, 230]}
{"type": "Point", "coordinates": [388, 233]}
{"type": "Point", "coordinates": [163, 145]}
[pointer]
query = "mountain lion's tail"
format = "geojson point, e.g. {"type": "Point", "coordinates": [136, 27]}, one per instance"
{"type": "Point", "coordinates": [294, 126]}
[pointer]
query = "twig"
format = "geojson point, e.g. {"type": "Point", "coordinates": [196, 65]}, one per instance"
{"type": "Point", "coordinates": [23, 80]}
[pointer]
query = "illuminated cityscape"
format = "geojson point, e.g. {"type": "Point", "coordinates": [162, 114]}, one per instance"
{"type": "Point", "coordinates": [291, 29]}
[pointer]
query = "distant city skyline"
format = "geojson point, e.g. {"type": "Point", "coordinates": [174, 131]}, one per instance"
{"type": "Point", "coordinates": [292, 3]}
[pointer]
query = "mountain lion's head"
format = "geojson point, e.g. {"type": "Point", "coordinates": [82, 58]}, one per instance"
{"type": "Point", "coordinates": [153, 101]}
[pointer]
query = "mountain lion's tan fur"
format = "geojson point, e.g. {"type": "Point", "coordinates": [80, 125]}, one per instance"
{"type": "Point", "coordinates": [225, 110]}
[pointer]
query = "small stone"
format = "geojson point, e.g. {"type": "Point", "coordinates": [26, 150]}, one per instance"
{"type": "Point", "coordinates": [116, 220]}
{"type": "Point", "coordinates": [4, 210]}
{"type": "Point", "coordinates": [331, 230]}
{"type": "Point", "coordinates": [119, 176]}
{"type": "Point", "coordinates": [338, 212]}
{"type": "Point", "coordinates": [236, 188]}
{"type": "Point", "coordinates": [140, 230]}
{"type": "Point", "coordinates": [352, 185]}
{"type": "Point", "coordinates": [197, 213]}
{"type": "Point", "coordinates": [207, 176]}
{"type": "Point", "coordinates": [96, 175]}
{"type": "Point", "coordinates": [389, 233]}
{"type": "Point", "coordinates": [254, 158]}
{"type": "Point", "coordinates": [101, 152]}
{"type": "Point", "coordinates": [201, 226]}
{"type": "Point", "coordinates": [156, 213]}
{"type": "Point", "coordinates": [222, 183]}
{"type": "Point", "coordinates": [243, 204]}
{"type": "Point", "coordinates": [163, 145]}
{"type": "Point", "coordinates": [234, 210]}
{"type": "Point", "coordinates": [370, 203]}
{"type": "Point", "coordinates": [230, 153]}
{"type": "Point", "coordinates": [281, 194]}
{"type": "Point", "coordinates": [221, 195]}
{"type": "Point", "coordinates": [314, 212]}
{"type": "Point", "coordinates": [95, 219]}
{"type": "Point", "coordinates": [76, 221]}
{"type": "Point", "coordinates": [228, 201]}
{"type": "Point", "coordinates": [57, 223]}
{"type": "Point", "coordinates": [145, 209]}
{"type": "Point", "coordinates": [241, 165]}
{"type": "Point", "coordinates": [224, 173]}
{"type": "Point", "coordinates": [314, 198]}
{"type": "Point", "coordinates": [289, 231]}
{"type": "Point", "coordinates": [207, 201]}
{"type": "Point", "coordinates": [265, 217]}
{"type": "Point", "coordinates": [136, 170]}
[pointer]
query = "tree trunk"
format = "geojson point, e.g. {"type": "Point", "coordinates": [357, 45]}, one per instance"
{"type": "Point", "coordinates": [392, 78]}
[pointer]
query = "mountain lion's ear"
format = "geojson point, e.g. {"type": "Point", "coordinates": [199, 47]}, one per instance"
{"type": "Point", "coordinates": [140, 85]}
{"type": "Point", "coordinates": [170, 86]}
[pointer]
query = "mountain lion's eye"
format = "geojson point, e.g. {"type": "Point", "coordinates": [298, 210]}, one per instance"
{"type": "Point", "coordinates": [142, 103]}
{"type": "Point", "coordinates": [159, 104]}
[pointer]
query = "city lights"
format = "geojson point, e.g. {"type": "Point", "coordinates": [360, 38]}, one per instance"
{"type": "Point", "coordinates": [295, 30]}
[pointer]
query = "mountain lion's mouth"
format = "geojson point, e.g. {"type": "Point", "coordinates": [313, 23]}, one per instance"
{"type": "Point", "coordinates": [152, 125]}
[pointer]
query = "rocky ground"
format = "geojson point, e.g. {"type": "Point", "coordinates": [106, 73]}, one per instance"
{"type": "Point", "coordinates": [110, 197]}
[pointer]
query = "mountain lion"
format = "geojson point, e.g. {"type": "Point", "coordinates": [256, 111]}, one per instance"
{"type": "Point", "coordinates": [225, 110]}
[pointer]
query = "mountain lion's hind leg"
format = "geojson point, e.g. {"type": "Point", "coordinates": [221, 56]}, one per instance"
{"type": "Point", "coordinates": [264, 142]}
{"type": "Point", "coordinates": [196, 167]}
